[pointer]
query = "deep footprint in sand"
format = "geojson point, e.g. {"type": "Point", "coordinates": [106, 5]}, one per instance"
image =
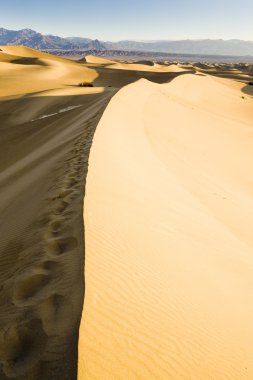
{"type": "Point", "coordinates": [54, 313]}
{"type": "Point", "coordinates": [22, 345]}
{"type": "Point", "coordinates": [30, 288]}
{"type": "Point", "coordinates": [60, 246]}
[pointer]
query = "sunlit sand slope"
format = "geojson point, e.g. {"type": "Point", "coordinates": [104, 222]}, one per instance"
{"type": "Point", "coordinates": [169, 243]}
{"type": "Point", "coordinates": [24, 70]}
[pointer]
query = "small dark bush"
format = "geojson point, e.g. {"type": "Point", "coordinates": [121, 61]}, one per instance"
{"type": "Point", "coordinates": [85, 84]}
{"type": "Point", "coordinates": [250, 83]}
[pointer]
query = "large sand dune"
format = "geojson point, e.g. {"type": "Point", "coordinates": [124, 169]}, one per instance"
{"type": "Point", "coordinates": [47, 124]}
{"type": "Point", "coordinates": [168, 218]}
{"type": "Point", "coordinates": [169, 243]}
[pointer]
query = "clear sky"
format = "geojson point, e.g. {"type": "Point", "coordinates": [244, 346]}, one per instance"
{"type": "Point", "coordinates": [132, 19]}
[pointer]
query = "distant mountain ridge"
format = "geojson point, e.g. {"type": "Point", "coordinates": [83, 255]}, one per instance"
{"type": "Point", "coordinates": [39, 41]}
{"type": "Point", "coordinates": [206, 47]}
{"type": "Point", "coordinates": [33, 39]}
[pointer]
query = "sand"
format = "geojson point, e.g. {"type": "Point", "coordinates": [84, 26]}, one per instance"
{"type": "Point", "coordinates": [46, 130]}
{"type": "Point", "coordinates": [25, 70]}
{"type": "Point", "coordinates": [167, 219]}
{"type": "Point", "coordinates": [98, 60]}
{"type": "Point", "coordinates": [143, 67]}
{"type": "Point", "coordinates": [169, 243]}
{"type": "Point", "coordinates": [47, 124]}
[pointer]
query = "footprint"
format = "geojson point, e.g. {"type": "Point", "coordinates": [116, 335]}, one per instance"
{"type": "Point", "coordinates": [29, 289]}
{"type": "Point", "coordinates": [22, 346]}
{"type": "Point", "coordinates": [60, 246]}
{"type": "Point", "coordinates": [64, 193]}
{"type": "Point", "coordinates": [55, 226]}
{"type": "Point", "coordinates": [55, 313]}
{"type": "Point", "coordinates": [61, 206]}
{"type": "Point", "coordinates": [50, 266]}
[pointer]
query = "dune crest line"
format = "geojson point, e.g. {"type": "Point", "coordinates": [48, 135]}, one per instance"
{"type": "Point", "coordinates": [168, 217]}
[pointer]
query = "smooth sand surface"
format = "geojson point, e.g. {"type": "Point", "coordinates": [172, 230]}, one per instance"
{"type": "Point", "coordinates": [169, 243]}
{"type": "Point", "coordinates": [24, 70]}
{"type": "Point", "coordinates": [143, 67]}
{"type": "Point", "coordinates": [99, 60]}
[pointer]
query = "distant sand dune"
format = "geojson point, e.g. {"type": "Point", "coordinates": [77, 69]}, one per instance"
{"type": "Point", "coordinates": [145, 67]}
{"type": "Point", "coordinates": [99, 60]}
{"type": "Point", "coordinates": [45, 71]}
{"type": "Point", "coordinates": [169, 243]}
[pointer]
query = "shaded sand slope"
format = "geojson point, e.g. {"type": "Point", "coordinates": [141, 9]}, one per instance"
{"type": "Point", "coordinates": [121, 74]}
{"type": "Point", "coordinates": [169, 247]}
{"type": "Point", "coordinates": [119, 78]}
{"type": "Point", "coordinates": [45, 140]}
{"type": "Point", "coordinates": [239, 72]}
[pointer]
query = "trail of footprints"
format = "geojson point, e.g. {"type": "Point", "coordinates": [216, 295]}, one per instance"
{"type": "Point", "coordinates": [42, 293]}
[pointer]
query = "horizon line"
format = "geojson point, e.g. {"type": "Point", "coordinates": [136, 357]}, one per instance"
{"type": "Point", "coordinates": [133, 39]}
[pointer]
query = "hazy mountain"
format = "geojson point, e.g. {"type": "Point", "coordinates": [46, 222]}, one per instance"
{"type": "Point", "coordinates": [36, 40]}
{"type": "Point", "coordinates": [214, 47]}
{"type": "Point", "coordinates": [79, 41]}
{"type": "Point", "coordinates": [87, 43]}
{"type": "Point", "coordinates": [33, 39]}
{"type": "Point", "coordinates": [95, 45]}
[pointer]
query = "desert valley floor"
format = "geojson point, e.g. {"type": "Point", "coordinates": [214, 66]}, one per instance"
{"type": "Point", "coordinates": [126, 247]}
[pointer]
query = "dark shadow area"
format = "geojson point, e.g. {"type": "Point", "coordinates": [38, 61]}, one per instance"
{"type": "Point", "coordinates": [144, 62]}
{"type": "Point", "coordinates": [248, 89]}
{"type": "Point", "coordinates": [28, 61]}
{"type": "Point", "coordinates": [118, 78]}
{"type": "Point", "coordinates": [43, 169]}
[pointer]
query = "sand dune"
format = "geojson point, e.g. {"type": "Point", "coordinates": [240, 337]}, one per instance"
{"type": "Point", "coordinates": [47, 124]}
{"type": "Point", "coordinates": [168, 216]}
{"type": "Point", "coordinates": [46, 130]}
{"type": "Point", "coordinates": [145, 67]}
{"type": "Point", "coordinates": [98, 60]}
{"type": "Point", "coordinates": [24, 70]}
{"type": "Point", "coordinates": [43, 164]}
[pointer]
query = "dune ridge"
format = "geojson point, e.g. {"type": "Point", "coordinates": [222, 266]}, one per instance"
{"type": "Point", "coordinates": [168, 216]}
{"type": "Point", "coordinates": [46, 130]}
{"type": "Point", "coordinates": [155, 143]}
{"type": "Point", "coordinates": [47, 124]}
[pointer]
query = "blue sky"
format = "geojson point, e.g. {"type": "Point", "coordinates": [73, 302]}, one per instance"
{"type": "Point", "coordinates": [132, 19]}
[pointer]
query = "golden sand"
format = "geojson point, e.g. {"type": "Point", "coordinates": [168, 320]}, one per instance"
{"type": "Point", "coordinates": [169, 243]}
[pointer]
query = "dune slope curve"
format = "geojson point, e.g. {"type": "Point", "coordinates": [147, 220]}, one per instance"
{"type": "Point", "coordinates": [168, 216]}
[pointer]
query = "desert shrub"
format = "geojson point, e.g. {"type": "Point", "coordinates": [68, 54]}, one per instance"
{"type": "Point", "coordinates": [85, 84]}
{"type": "Point", "coordinates": [250, 83]}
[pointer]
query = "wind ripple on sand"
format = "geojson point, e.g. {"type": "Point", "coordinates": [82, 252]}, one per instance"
{"type": "Point", "coordinates": [168, 217]}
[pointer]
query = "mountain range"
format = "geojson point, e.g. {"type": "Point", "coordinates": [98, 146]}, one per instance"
{"type": "Point", "coordinates": [39, 41]}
